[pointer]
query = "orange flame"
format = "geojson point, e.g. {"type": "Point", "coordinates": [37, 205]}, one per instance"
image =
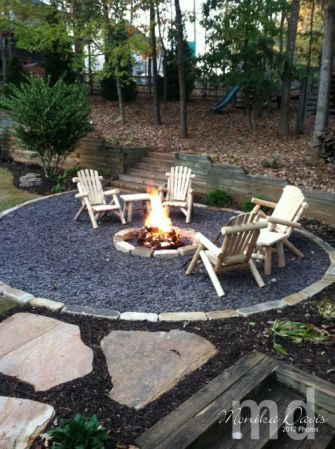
{"type": "Point", "coordinates": [158, 216]}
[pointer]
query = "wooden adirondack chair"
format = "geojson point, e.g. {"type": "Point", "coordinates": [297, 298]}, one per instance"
{"type": "Point", "coordinates": [284, 218]}
{"type": "Point", "coordinates": [239, 241]}
{"type": "Point", "coordinates": [178, 192]}
{"type": "Point", "coordinates": [93, 198]}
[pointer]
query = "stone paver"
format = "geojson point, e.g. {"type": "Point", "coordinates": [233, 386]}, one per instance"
{"type": "Point", "coordinates": [145, 365]}
{"type": "Point", "coordinates": [21, 421]}
{"type": "Point", "coordinates": [42, 351]}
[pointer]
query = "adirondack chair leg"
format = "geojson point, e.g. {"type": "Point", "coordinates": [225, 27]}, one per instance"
{"type": "Point", "coordinates": [212, 274]}
{"type": "Point", "coordinates": [80, 211]}
{"type": "Point", "coordinates": [194, 260]}
{"type": "Point", "coordinates": [92, 217]}
{"type": "Point", "coordinates": [256, 274]}
{"type": "Point", "coordinates": [281, 254]}
{"type": "Point", "coordinates": [189, 210]}
{"type": "Point", "coordinates": [267, 260]}
{"type": "Point", "coordinates": [117, 203]}
{"type": "Point", "coordinates": [293, 249]}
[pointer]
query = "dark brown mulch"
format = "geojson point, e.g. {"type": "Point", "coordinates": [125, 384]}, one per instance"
{"type": "Point", "coordinates": [232, 337]}
{"type": "Point", "coordinates": [19, 169]}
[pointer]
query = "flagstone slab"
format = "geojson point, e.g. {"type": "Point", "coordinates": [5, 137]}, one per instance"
{"type": "Point", "coordinates": [21, 421]}
{"type": "Point", "coordinates": [145, 365]}
{"type": "Point", "coordinates": [42, 351]}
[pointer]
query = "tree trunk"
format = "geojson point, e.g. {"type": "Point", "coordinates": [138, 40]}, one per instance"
{"type": "Point", "coordinates": [164, 55]}
{"type": "Point", "coordinates": [181, 71]}
{"type": "Point", "coordinates": [117, 67]}
{"type": "Point", "coordinates": [3, 59]}
{"type": "Point", "coordinates": [120, 95]}
{"type": "Point", "coordinates": [157, 114]}
{"type": "Point", "coordinates": [321, 118]}
{"type": "Point", "coordinates": [284, 127]}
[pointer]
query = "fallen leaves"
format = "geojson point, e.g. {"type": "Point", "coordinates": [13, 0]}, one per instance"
{"type": "Point", "coordinates": [225, 137]}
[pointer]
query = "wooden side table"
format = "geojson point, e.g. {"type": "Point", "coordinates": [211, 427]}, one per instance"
{"type": "Point", "coordinates": [130, 199]}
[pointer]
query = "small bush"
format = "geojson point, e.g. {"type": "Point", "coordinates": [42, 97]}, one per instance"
{"type": "Point", "coordinates": [15, 72]}
{"type": "Point", "coordinates": [48, 119]}
{"type": "Point", "coordinates": [218, 198]}
{"type": "Point", "coordinates": [109, 89]}
{"type": "Point", "coordinates": [326, 308]}
{"type": "Point", "coordinates": [79, 433]}
{"type": "Point", "coordinates": [248, 206]}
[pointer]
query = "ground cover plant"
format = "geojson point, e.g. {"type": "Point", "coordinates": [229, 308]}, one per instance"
{"type": "Point", "coordinates": [297, 333]}
{"type": "Point", "coordinates": [79, 433]}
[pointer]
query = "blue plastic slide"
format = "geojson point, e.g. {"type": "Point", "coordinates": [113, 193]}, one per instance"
{"type": "Point", "coordinates": [225, 100]}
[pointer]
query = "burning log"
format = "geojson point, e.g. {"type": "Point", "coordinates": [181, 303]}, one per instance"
{"type": "Point", "coordinates": [154, 238]}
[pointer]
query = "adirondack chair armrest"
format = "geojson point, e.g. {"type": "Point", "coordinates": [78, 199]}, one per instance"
{"type": "Point", "coordinates": [81, 195]}
{"type": "Point", "coordinates": [204, 241]}
{"type": "Point", "coordinates": [112, 192]}
{"type": "Point", "coordinates": [75, 180]}
{"type": "Point", "coordinates": [246, 227]}
{"type": "Point", "coordinates": [265, 203]}
{"type": "Point", "coordinates": [281, 221]}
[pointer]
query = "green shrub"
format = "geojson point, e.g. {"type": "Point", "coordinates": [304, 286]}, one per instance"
{"type": "Point", "coordinates": [172, 74]}
{"type": "Point", "coordinates": [58, 65]}
{"type": "Point", "coordinates": [218, 198]}
{"type": "Point", "coordinates": [48, 119]}
{"type": "Point", "coordinates": [109, 89]}
{"type": "Point", "coordinates": [248, 206]}
{"type": "Point", "coordinates": [79, 433]}
{"type": "Point", "coordinates": [326, 308]}
{"type": "Point", "coordinates": [15, 73]}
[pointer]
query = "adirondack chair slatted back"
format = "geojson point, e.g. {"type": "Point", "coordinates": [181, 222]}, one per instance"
{"type": "Point", "coordinates": [239, 243]}
{"type": "Point", "coordinates": [89, 181]}
{"type": "Point", "coordinates": [179, 183]}
{"type": "Point", "coordinates": [290, 207]}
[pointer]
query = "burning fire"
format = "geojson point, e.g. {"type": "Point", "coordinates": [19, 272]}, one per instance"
{"type": "Point", "coordinates": [158, 220]}
{"type": "Point", "coordinates": [158, 232]}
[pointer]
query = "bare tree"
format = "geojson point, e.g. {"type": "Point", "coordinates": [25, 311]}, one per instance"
{"type": "Point", "coordinates": [284, 127]}
{"type": "Point", "coordinates": [157, 114]}
{"type": "Point", "coordinates": [181, 71]}
{"type": "Point", "coordinates": [322, 109]}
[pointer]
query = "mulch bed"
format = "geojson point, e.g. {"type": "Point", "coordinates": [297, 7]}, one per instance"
{"type": "Point", "coordinates": [232, 337]}
{"type": "Point", "coordinates": [19, 169]}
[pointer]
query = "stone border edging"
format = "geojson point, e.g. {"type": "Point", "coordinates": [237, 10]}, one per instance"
{"type": "Point", "coordinates": [22, 297]}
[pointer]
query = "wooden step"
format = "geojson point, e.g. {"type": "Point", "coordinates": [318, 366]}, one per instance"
{"type": "Point", "coordinates": [156, 166]}
{"type": "Point", "coordinates": [151, 180]}
{"type": "Point", "coordinates": [139, 172]}
{"type": "Point", "coordinates": [161, 156]}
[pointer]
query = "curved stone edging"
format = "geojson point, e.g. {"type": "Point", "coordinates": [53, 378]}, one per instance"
{"type": "Point", "coordinates": [22, 297]}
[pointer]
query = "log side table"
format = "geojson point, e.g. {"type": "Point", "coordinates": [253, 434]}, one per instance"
{"type": "Point", "coordinates": [130, 199]}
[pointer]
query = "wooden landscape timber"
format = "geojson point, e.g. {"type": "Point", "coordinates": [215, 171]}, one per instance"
{"type": "Point", "coordinates": [96, 154]}
{"type": "Point", "coordinates": [202, 421]}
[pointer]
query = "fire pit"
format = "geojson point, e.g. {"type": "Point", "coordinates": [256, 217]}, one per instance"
{"type": "Point", "coordinates": [158, 237]}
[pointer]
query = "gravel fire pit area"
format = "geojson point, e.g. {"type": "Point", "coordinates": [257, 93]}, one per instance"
{"type": "Point", "coordinates": [46, 253]}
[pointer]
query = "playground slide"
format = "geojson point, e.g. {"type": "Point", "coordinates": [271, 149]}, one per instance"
{"type": "Point", "coordinates": [225, 100]}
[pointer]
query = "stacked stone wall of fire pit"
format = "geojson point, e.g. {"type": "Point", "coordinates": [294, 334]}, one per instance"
{"type": "Point", "coordinates": [125, 239]}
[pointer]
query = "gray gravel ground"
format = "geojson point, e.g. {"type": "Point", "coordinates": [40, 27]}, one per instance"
{"type": "Point", "coordinates": [45, 252]}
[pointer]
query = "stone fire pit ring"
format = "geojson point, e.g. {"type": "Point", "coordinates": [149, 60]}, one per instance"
{"type": "Point", "coordinates": [122, 242]}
